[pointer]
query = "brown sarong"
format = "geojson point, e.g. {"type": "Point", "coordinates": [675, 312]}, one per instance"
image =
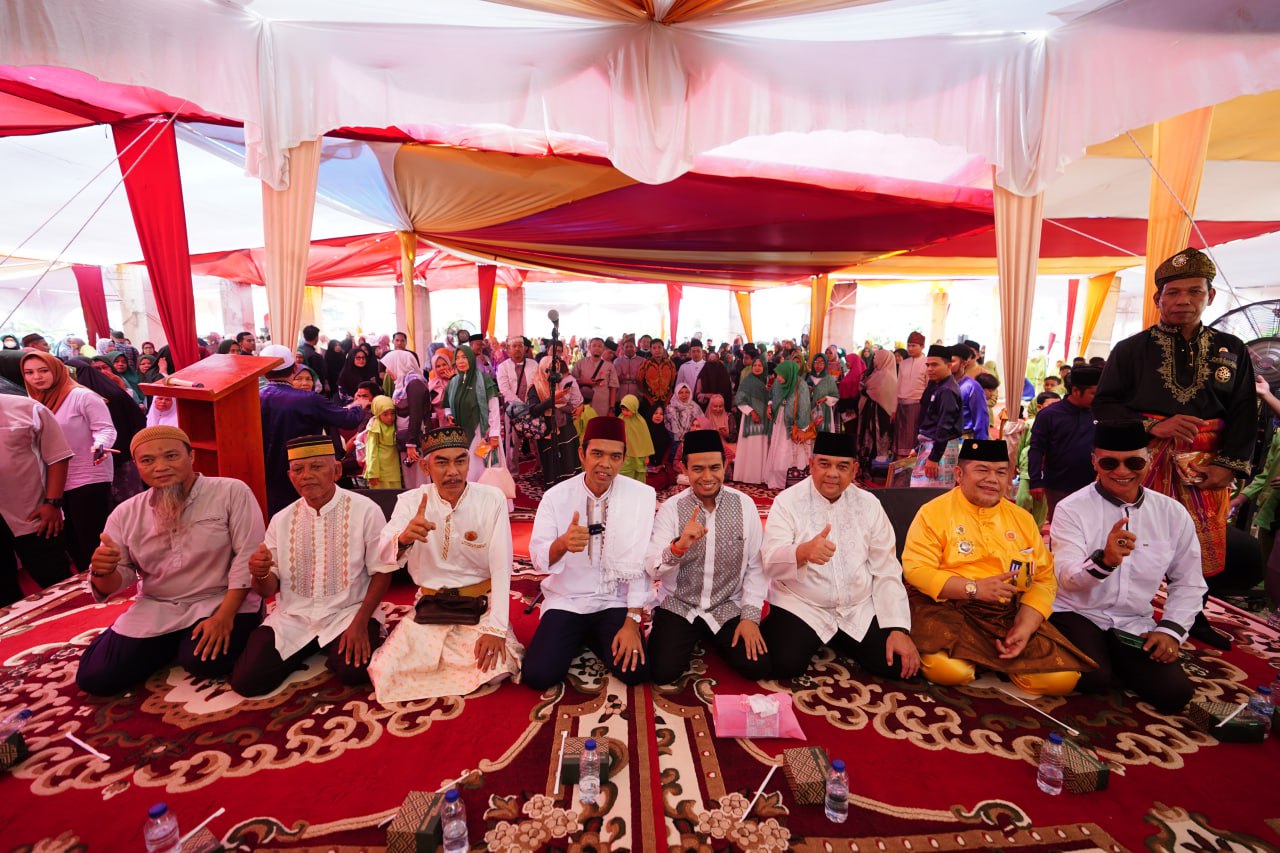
{"type": "Point", "coordinates": [968, 630]}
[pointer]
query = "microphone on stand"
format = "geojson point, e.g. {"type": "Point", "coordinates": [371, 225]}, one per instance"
{"type": "Point", "coordinates": [552, 476]}
{"type": "Point", "coordinates": [554, 316]}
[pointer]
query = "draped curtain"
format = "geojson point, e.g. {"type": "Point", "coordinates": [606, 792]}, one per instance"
{"type": "Point", "coordinates": [408, 257]}
{"type": "Point", "coordinates": [1180, 145]}
{"type": "Point", "coordinates": [674, 294]}
{"type": "Point", "coordinates": [1018, 223]}
{"type": "Point", "coordinates": [93, 302]}
{"type": "Point", "coordinates": [286, 224]}
{"type": "Point", "coordinates": [487, 277]}
{"type": "Point", "coordinates": [148, 153]}
{"type": "Point", "coordinates": [1073, 295]}
{"type": "Point", "coordinates": [1095, 296]}
{"type": "Point", "coordinates": [743, 298]}
{"type": "Point", "coordinates": [819, 299]}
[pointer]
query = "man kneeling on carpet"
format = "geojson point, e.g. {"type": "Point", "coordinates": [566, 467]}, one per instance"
{"type": "Point", "coordinates": [829, 550]}
{"type": "Point", "coordinates": [188, 539]}
{"type": "Point", "coordinates": [705, 554]}
{"type": "Point", "coordinates": [1113, 543]}
{"type": "Point", "coordinates": [322, 561]}
{"type": "Point", "coordinates": [982, 584]}
{"type": "Point", "coordinates": [456, 537]}
{"type": "Point", "coordinates": [590, 535]}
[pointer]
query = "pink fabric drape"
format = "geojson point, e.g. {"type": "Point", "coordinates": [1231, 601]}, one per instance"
{"type": "Point", "coordinates": [93, 301]}
{"type": "Point", "coordinates": [675, 292]}
{"type": "Point", "coordinates": [154, 188]}
{"type": "Point", "coordinates": [487, 276]}
{"type": "Point", "coordinates": [1019, 220]}
{"type": "Point", "coordinates": [1073, 292]}
{"type": "Point", "coordinates": [286, 226]}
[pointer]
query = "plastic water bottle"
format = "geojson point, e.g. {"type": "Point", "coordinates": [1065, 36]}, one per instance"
{"type": "Point", "coordinates": [161, 832]}
{"type": "Point", "coordinates": [1260, 705]}
{"type": "Point", "coordinates": [1049, 777]}
{"type": "Point", "coordinates": [837, 804]}
{"type": "Point", "coordinates": [589, 774]}
{"type": "Point", "coordinates": [13, 723]}
{"type": "Point", "coordinates": [453, 823]}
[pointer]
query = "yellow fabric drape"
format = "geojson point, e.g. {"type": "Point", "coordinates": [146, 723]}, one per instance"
{"type": "Point", "coordinates": [968, 267]}
{"type": "Point", "coordinates": [312, 306]}
{"type": "Point", "coordinates": [286, 225]}
{"type": "Point", "coordinates": [1244, 128]}
{"type": "Point", "coordinates": [819, 299]}
{"type": "Point", "coordinates": [1179, 145]}
{"type": "Point", "coordinates": [408, 257]}
{"type": "Point", "coordinates": [1094, 298]}
{"type": "Point", "coordinates": [743, 298]}
{"type": "Point", "coordinates": [446, 190]}
{"type": "Point", "coordinates": [1019, 220]}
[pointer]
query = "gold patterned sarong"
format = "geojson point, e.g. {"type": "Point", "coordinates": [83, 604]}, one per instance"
{"type": "Point", "coordinates": [1208, 507]}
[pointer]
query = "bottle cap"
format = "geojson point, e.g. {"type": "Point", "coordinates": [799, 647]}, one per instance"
{"type": "Point", "coordinates": [1055, 738]}
{"type": "Point", "coordinates": [157, 811]}
{"type": "Point", "coordinates": [590, 744]}
{"type": "Point", "coordinates": [24, 714]}
{"type": "Point", "coordinates": [837, 766]}
{"type": "Point", "coordinates": [451, 796]}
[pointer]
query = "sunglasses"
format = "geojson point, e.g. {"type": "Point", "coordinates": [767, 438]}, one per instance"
{"type": "Point", "coordinates": [1133, 463]}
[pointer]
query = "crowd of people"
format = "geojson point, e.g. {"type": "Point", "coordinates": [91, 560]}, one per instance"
{"type": "Point", "coordinates": [1012, 568]}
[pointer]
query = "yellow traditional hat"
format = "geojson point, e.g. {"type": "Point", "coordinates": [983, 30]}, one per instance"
{"type": "Point", "coordinates": [444, 438]}
{"type": "Point", "coordinates": [307, 446]}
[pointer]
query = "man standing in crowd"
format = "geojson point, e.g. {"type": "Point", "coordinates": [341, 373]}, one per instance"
{"type": "Point", "coordinates": [589, 537]}
{"type": "Point", "coordinates": [657, 377]}
{"type": "Point", "coordinates": [1192, 387]}
{"type": "Point", "coordinates": [287, 413]}
{"type": "Point", "coordinates": [1062, 441]}
{"type": "Point", "coordinates": [973, 399]}
{"type": "Point", "coordinates": [188, 539]}
{"type": "Point", "coordinates": [245, 343]}
{"type": "Point", "coordinates": [982, 584]}
{"type": "Point", "coordinates": [35, 468]}
{"type": "Point", "coordinates": [130, 351]}
{"type": "Point", "coordinates": [912, 380]}
{"type": "Point", "coordinates": [35, 341]}
{"type": "Point", "coordinates": [596, 379]}
{"type": "Point", "coordinates": [705, 555]}
{"type": "Point", "coordinates": [829, 552]}
{"type": "Point", "coordinates": [311, 355]}
{"type": "Point", "coordinates": [515, 378]}
{"type": "Point", "coordinates": [321, 559]}
{"type": "Point", "coordinates": [690, 370]}
{"type": "Point", "coordinates": [627, 368]}
{"type": "Point", "coordinates": [1113, 546]}
{"type": "Point", "coordinates": [941, 422]}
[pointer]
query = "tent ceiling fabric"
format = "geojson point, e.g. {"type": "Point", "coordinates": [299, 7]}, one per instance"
{"type": "Point", "coordinates": [1016, 82]}
{"type": "Point", "coordinates": [1244, 128]}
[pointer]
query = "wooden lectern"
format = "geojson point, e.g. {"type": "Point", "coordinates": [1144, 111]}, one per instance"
{"type": "Point", "coordinates": [218, 408]}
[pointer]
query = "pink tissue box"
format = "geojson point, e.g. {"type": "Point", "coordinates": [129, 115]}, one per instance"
{"type": "Point", "coordinates": [741, 715]}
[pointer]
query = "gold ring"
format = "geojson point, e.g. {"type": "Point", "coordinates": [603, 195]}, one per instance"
{"type": "Point", "coordinates": [1123, 543]}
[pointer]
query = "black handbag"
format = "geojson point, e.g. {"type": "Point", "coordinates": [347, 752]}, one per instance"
{"type": "Point", "coordinates": [447, 607]}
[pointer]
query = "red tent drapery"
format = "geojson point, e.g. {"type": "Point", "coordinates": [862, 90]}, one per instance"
{"type": "Point", "coordinates": [148, 152]}
{"type": "Point", "coordinates": [93, 302]}
{"type": "Point", "coordinates": [487, 276]}
{"type": "Point", "coordinates": [674, 293]}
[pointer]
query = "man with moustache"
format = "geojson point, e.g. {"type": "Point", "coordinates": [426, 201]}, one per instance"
{"type": "Point", "coordinates": [455, 537]}
{"type": "Point", "coordinates": [590, 536]}
{"type": "Point", "coordinates": [188, 540]}
{"type": "Point", "coordinates": [1114, 543]}
{"type": "Point", "coordinates": [705, 555]}
{"type": "Point", "coordinates": [657, 377]}
{"type": "Point", "coordinates": [913, 377]}
{"type": "Point", "coordinates": [829, 553]}
{"type": "Point", "coordinates": [982, 584]}
{"type": "Point", "coordinates": [941, 423]}
{"type": "Point", "coordinates": [322, 560]}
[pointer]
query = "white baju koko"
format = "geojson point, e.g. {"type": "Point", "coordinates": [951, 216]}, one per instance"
{"type": "Point", "coordinates": [471, 543]}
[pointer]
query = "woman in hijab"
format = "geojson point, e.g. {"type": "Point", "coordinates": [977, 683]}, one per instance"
{"type": "Point", "coordinates": [682, 411]}
{"type": "Point", "coordinates": [382, 468]}
{"type": "Point", "coordinates": [875, 412]}
{"type": "Point", "coordinates": [850, 387]}
{"type": "Point", "coordinates": [835, 364]}
{"type": "Point", "coordinates": [752, 403]}
{"type": "Point", "coordinates": [660, 435]}
{"type": "Point", "coordinates": [712, 379]}
{"type": "Point", "coordinates": [334, 360]}
{"type": "Point", "coordinates": [227, 346]}
{"type": "Point", "coordinates": [359, 366]}
{"type": "Point", "coordinates": [639, 441]}
{"type": "Point", "coordinates": [306, 379]}
{"type": "Point", "coordinates": [126, 416]}
{"type": "Point", "coordinates": [558, 450]}
{"type": "Point", "coordinates": [120, 366]}
{"type": "Point", "coordinates": [717, 417]}
{"type": "Point", "coordinates": [148, 369]}
{"type": "Point", "coordinates": [473, 403]}
{"type": "Point", "coordinates": [10, 342]}
{"type": "Point", "coordinates": [441, 372]}
{"type": "Point", "coordinates": [789, 407]}
{"type": "Point", "coordinates": [824, 393]}
{"type": "Point", "coordinates": [148, 348]}
{"type": "Point", "coordinates": [86, 425]}
{"type": "Point", "coordinates": [412, 398]}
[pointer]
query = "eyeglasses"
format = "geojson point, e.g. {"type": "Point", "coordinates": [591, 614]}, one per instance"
{"type": "Point", "coordinates": [1133, 463]}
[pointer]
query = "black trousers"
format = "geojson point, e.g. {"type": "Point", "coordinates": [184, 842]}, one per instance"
{"type": "Point", "coordinates": [672, 640]}
{"type": "Point", "coordinates": [44, 559]}
{"type": "Point", "coordinates": [260, 669]}
{"type": "Point", "coordinates": [561, 635]}
{"type": "Point", "coordinates": [86, 509]}
{"type": "Point", "coordinates": [114, 663]}
{"type": "Point", "coordinates": [1164, 685]}
{"type": "Point", "coordinates": [792, 644]}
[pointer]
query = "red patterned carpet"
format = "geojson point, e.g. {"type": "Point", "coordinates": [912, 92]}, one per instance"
{"type": "Point", "coordinates": [317, 766]}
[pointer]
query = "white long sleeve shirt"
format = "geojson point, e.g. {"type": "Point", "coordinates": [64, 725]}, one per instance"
{"type": "Point", "coordinates": [471, 543]}
{"type": "Point", "coordinates": [86, 424]}
{"type": "Point", "coordinates": [324, 560]}
{"type": "Point", "coordinates": [863, 579]}
{"type": "Point", "coordinates": [719, 579]}
{"type": "Point", "coordinates": [509, 380]}
{"type": "Point", "coordinates": [574, 583]}
{"type": "Point", "coordinates": [1121, 598]}
{"type": "Point", "coordinates": [912, 379]}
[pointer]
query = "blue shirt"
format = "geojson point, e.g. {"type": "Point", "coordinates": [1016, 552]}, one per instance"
{"type": "Point", "coordinates": [288, 413]}
{"type": "Point", "coordinates": [1061, 446]}
{"type": "Point", "coordinates": [977, 419]}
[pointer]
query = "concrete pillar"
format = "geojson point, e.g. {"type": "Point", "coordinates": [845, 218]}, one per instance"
{"type": "Point", "coordinates": [237, 307]}
{"type": "Point", "coordinates": [1101, 342]}
{"type": "Point", "coordinates": [399, 295]}
{"type": "Point", "coordinates": [515, 311]}
{"type": "Point", "coordinates": [938, 314]}
{"type": "Point", "coordinates": [422, 317]}
{"type": "Point", "coordinates": [840, 314]}
{"type": "Point", "coordinates": [137, 303]}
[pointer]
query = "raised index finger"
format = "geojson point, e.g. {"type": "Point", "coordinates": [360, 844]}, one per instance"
{"type": "Point", "coordinates": [422, 507]}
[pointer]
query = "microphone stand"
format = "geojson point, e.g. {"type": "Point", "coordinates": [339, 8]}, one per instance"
{"type": "Point", "coordinates": [554, 377]}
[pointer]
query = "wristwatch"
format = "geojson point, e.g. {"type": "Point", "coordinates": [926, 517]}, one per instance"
{"type": "Point", "coordinates": [637, 618]}
{"type": "Point", "coordinates": [56, 503]}
{"type": "Point", "coordinates": [971, 590]}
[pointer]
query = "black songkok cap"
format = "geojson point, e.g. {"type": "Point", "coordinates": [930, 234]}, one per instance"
{"type": "Point", "coordinates": [984, 450]}
{"type": "Point", "coordinates": [1120, 436]}
{"type": "Point", "coordinates": [961, 351]}
{"type": "Point", "coordinates": [1084, 377]}
{"type": "Point", "coordinates": [835, 444]}
{"type": "Point", "coordinates": [703, 441]}
{"type": "Point", "coordinates": [939, 351]}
